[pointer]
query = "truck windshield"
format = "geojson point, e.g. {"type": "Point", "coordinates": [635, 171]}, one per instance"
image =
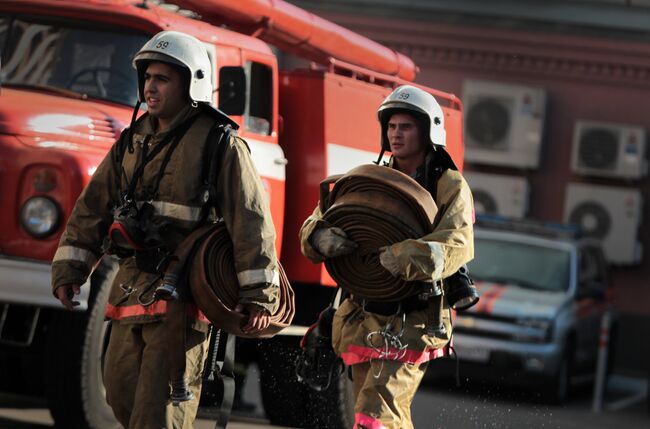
{"type": "Point", "coordinates": [525, 265]}
{"type": "Point", "coordinates": [67, 59]}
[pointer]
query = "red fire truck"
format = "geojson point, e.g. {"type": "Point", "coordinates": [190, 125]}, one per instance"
{"type": "Point", "coordinates": [304, 91]}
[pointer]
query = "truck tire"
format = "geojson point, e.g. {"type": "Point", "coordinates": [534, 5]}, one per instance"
{"type": "Point", "coordinates": [287, 402]}
{"type": "Point", "coordinates": [76, 344]}
{"type": "Point", "coordinates": [333, 408]}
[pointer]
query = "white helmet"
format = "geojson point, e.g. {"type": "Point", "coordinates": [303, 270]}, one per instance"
{"type": "Point", "coordinates": [413, 100]}
{"type": "Point", "coordinates": [182, 50]}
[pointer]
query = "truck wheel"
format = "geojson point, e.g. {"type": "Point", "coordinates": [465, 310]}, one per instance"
{"type": "Point", "coordinates": [333, 408]}
{"type": "Point", "coordinates": [76, 344]}
{"type": "Point", "coordinates": [288, 402]}
{"type": "Point", "coordinates": [285, 399]}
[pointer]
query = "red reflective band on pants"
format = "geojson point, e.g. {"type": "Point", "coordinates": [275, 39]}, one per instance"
{"type": "Point", "coordinates": [358, 354]}
{"type": "Point", "coordinates": [157, 308]}
{"type": "Point", "coordinates": [367, 422]}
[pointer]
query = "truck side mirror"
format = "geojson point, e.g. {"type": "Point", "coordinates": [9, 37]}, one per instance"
{"type": "Point", "coordinates": [232, 90]}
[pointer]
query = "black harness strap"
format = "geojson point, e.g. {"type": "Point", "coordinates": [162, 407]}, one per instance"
{"type": "Point", "coordinates": [215, 152]}
{"type": "Point", "coordinates": [212, 156]}
{"type": "Point", "coordinates": [147, 156]}
{"type": "Point", "coordinates": [227, 378]}
{"type": "Point", "coordinates": [125, 142]}
{"type": "Point", "coordinates": [167, 158]}
{"type": "Point", "coordinates": [118, 156]}
{"type": "Point", "coordinates": [222, 373]}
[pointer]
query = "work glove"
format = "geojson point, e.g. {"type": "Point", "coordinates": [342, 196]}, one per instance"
{"type": "Point", "coordinates": [413, 260]}
{"type": "Point", "coordinates": [332, 242]}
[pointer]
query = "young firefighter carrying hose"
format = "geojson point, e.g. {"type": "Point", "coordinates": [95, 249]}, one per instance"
{"type": "Point", "coordinates": [388, 342]}
{"type": "Point", "coordinates": [148, 194]}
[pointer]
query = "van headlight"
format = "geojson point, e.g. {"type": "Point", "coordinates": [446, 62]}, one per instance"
{"type": "Point", "coordinates": [535, 330]}
{"type": "Point", "coordinates": [40, 216]}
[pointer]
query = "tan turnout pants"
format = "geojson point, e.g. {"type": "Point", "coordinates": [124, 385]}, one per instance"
{"type": "Point", "coordinates": [384, 390]}
{"type": "Point", "coordinates": [136, 376]}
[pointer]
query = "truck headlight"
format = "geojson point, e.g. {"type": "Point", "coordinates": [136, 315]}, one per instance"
{"type": "Point", "coordinates": [40, 216]}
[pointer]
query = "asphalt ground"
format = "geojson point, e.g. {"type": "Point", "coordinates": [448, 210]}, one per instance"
{"type": "Point", "coordinates": [436, 405]}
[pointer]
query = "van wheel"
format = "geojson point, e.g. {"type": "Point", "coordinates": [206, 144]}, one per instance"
{"type": "Point", "coordinates": [559, 386]}
{"type": "Point", "coordinates": [288, 402]}
{"type": "Point", "coordinates": [76, 345]}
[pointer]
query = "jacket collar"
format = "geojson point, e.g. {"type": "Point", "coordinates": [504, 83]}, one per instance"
{"type": "Point", "coordinates": [421, 170]}
{"type": "Point", "coordinates": [149, 124]}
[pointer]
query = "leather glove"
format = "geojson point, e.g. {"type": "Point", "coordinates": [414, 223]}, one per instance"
{"type": "Point", "coordinates": [332, 242]}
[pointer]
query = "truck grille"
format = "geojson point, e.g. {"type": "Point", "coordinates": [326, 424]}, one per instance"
{"type": "Point", "coordinates": [102, 128]}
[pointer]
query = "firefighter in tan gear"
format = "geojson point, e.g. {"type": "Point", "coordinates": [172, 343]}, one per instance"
{"type": "Point", "coordinates": [386, 377]}
{"type": "Point", "coordinates": [145, 197]}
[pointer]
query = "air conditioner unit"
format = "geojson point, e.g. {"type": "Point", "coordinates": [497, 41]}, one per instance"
{"type": "Point", "coordinates": [612, 215]}
{"type": "Point", "coordinates": [503, 123]}
{"type": "Point", "coordinates": [499, 195]}
{"type": "Point", "coordinates": [609, 150]}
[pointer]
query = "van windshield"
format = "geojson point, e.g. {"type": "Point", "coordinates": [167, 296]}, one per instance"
{"type": "Point", "coordinates": [64, 58]}
{"type": "Point", "coordinates": [525, 265]}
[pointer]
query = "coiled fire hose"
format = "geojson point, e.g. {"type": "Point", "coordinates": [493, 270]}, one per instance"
{"type": "Point", "coordinates": [206, 256]}
{"type": "Point", "coordinates": [205, 261]}
{"type": "Point", "coordinates": [375, 206]}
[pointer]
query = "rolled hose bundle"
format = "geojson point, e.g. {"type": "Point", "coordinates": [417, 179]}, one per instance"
{"type": "Point", "coordinates": [375, 206]}
{"type": "Point", "coordinates": [210, 268]}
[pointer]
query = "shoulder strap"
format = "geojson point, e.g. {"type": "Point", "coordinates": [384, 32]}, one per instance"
{"type": "Point", "coordinates": [118, 156]}
{"type": "Point", "coordinates": [123, 143]}
{"type": "Point", "coordinates": [440, 162]}
{"type": "Point", "coordinates": [216, 151]}
{"type": "Point", "coordinates": [212, 155]}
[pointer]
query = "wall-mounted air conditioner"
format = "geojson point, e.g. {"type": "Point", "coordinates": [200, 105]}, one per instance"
{"type": "Point", "coordinates": [610, 214]}
{"type": "Point", "coordinates": [503, 123]}
{"type": "Point", "coordinates": [499, 195]}
{"type": "Point", "coordinates": [609, 150]}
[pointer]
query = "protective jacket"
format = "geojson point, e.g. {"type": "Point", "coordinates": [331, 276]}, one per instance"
{"type": "Point", "coordinates": [437, 255]}
{"type": "Point", "coordinates": [179, 208]}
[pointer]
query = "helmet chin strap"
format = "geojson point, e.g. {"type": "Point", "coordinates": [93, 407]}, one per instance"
{"type": "Point", "coordinates": [136, 108]}
{"type": "Point", "coordinates": [381, 155]}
